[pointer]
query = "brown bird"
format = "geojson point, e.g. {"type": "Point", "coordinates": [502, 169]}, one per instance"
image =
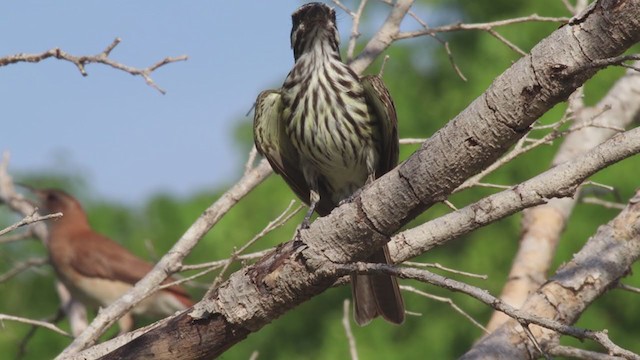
{"type": "Point", "coordinates": [96, 269]}
{"type": "Point", "coordinates": [328, 132]}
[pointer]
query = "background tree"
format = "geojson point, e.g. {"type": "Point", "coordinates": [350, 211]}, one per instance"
{"type": "Point", "coordinates": [428, 92]}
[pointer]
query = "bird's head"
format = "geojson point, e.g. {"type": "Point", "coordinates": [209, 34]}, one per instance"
{"type": "Point", "coordinates": [314, 24]}
{"type": "Point", "coordinates": [55, 200]}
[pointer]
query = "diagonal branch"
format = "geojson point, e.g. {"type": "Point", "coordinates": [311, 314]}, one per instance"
{"type": "Point", "coordinates": [30, 219]}
{"type": "Point", "coordinates": [383, 37]}
{"type": "Point", "coordinates": [43, 324]}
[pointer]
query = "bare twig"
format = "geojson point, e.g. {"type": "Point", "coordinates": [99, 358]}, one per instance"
{"type": "Point", "coordinates": [251, 159]}
{"type": "Point", "coordinates": [543, 225]}
{"type": "Point", "coordinates": [22, 346]}
{"type": "Point", "coordinates": [520, 149]}
{"type": "Point", "coordinates": [479, 26]}
{"type": "Point", "coordinates": [504, 40]}
{"type": "Point", "coordinates": [346, 323]}
{"type": "Point", "coordinates": [282, 219]}
{"type": "Point", "coordinates": [383, 37]}
{"type": "Point", "coordinates": [355, 32]}
{"type": "Point", "coordinates": [101, 58]}
{"type": "Point", "coordinates": [43, 324]}
{"type": "Point", "coordinates": [22, 266]}
{"type": "Point", "coordinates": [30, 219]}
{"type": "Point", "coordinates": [571, 352]}
{"type": "Point", "coordinates": [219, 263]}
{"type": "Point", "coordinates": [629, 288]}
{"type": "Point", "coordinates": [599, 185]}
{"type": "Point", "coordinates": [411, 141]}
{"type": "Point", "coordinates": [446, 300]}
{"type": "Point", "coordinates": [533, 340]}
{"type": "Point", "coordinates": [603, 203]}
{"type": "Point", "coordinates": [450, 205]}
{"type": "Point", "coordinates": [28, 234]}
{"type": "Point", "coordinates": [453, 271]}
{"type": "Point", "coordinates": [569, 6]}
{"type": "Point", "coordinates": [616, 60]}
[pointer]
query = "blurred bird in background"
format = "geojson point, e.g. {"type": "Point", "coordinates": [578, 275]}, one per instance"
{"type": "Point", "coordinates": [96, 269]}
{"type": "Point", "coordinates": [328, 132]}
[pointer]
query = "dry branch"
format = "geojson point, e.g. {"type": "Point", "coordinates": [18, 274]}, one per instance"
{"type": "Point", "coordinates": [101, 58]}
{"type": "Point", "coordinates": [43, 324]}
{"type": "Point", "coordinates": [29, 219]}
{"type": "Point", "coordinates": [22, 266]}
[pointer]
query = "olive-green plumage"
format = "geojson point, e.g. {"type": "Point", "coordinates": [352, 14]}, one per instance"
{"type": "Point", "coordinates": [328, 132]}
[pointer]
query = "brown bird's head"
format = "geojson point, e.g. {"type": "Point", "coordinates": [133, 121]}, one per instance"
{"type": "Point", "coordinates": [55, 200]}
{"type": "Point", "coordinates": [314, 24]}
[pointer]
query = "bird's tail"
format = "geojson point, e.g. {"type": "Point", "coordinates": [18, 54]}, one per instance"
{"type": "Point", "coordinates": [375, 295]}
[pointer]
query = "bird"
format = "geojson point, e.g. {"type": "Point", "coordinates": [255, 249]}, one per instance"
{"type": "Point", "coordinates": [97, 270]}
{"type": "Point", "coordinates": [328, 132]}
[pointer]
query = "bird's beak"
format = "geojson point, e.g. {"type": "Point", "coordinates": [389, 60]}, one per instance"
{"type": "Point", "coordinates": [37, 192]}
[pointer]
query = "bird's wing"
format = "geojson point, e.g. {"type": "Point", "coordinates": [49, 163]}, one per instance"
{"type": "Point", "coordinates": [272, 142]}
{"type": "Point", "coordinates": [128, 268]}
{"type": "Point", "coordinates": [379, 100]}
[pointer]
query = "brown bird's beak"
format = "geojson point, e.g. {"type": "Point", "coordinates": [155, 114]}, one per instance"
{"type": "Point", "coordinates": [40, 195]}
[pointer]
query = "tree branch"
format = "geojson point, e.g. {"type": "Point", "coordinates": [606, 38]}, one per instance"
{"type": "Point", "coordinates": [30, 219]}
{"type": "Point", "coordinates": [383, 37]}
{"type": "Point", "coordinates": [43, 324]}
{"type": "Point", "coordinates": [101, 58]}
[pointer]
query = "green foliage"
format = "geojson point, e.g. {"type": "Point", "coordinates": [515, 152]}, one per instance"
{"type": "Point", "coordinates": [427, 94]}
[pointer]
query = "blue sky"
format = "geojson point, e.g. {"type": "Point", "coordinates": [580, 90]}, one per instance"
{"type": "Point", "coordinates": [127, 139]}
